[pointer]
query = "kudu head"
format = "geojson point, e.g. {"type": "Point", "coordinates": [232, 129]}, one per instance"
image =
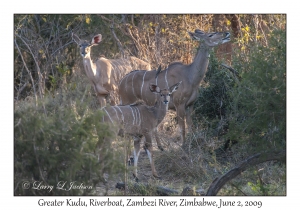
{"type": "Point", "coordinates": [84, 45]}
{"type": "Point", "coordinates": [165, 94]}
{"type": "Point", "coordinates": [210, 39]}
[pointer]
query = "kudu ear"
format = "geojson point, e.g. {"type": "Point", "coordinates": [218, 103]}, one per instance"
{"type": "Point", "coordinates": [158, 71]}
{"type": "Point", "coordinates": [75, 38]}
{"type": "Point", "coordinates": [199, 32]}
{"type": "Point", "coordinates": [96, 39]}
{"type": "Point", "coordinates": [174, 87]}
{"type": "Point", "coordinates": [154, 88]}
{"type": "Point", "coordinates": [193, 36]}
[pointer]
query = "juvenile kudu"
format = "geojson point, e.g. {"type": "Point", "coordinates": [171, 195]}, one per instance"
{"type": "Point", "coordinates": [140, 120]}
{"type": "Point", "coordinates": [105, 74]}
{"type": "Point", "coordinates": [133, 86]}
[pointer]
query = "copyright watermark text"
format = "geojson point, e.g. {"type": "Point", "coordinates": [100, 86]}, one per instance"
{"type": "Point", "coordinates": [61, 185]}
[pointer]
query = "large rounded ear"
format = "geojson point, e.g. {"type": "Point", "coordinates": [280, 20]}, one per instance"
{"type": "Point", "coordinates": [154, 88]}
{"type": "Point", "coordinates": [96, 39]}
{"type": "Point", "coordinates": [174, 87]}
{"type": "Point", "coordinates": [75, 38]}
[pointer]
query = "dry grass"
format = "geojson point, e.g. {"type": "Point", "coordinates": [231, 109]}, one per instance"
{"type": "Point", "coordinates": [198, 166]}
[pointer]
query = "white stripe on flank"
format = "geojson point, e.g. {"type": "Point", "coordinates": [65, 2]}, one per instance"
{"type": "Point", "coordinates": [143, 85]}
{"type": "Point", "coordinates": [140, 119]}
{"type": "Point", "coordinates": [121, 113]}
{"type": "Point", "coordinates": [166, 79]}
{"type": "Point", "coordinates": [132, 115]}
{"type": "Point", "coordinates": [108, 115]}
{"type": "Point", "coordinates": [132, 85]}
{"type": "Point", "coordinates": [116, 112]}
{"type": "Point", "coordinates": [138, 116]}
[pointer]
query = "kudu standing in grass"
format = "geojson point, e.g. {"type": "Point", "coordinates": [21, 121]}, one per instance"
{"type": "Point", "coordinates": [133, 86]}
{"type": "Point", "coordinates": [138, 120]}
{"type": "Point", "coordinates": [105, 74]}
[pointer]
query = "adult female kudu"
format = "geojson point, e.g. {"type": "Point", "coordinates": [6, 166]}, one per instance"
{"type": "Point", "coordinates": [140, 120]}
{"type": "Point", "coordinates": [105, 74]}
{"type": "Point", "coordinates": [133, 86]}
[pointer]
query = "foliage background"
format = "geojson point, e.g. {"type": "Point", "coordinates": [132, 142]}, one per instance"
{"type": "Point", "coordinates": [244, 106]}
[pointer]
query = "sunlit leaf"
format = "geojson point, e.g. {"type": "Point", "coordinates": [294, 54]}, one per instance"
{"type": "Point", "coordinates": [88, 20]}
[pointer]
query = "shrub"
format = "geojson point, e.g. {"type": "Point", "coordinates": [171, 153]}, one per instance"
{"type": "Point", "coordinates": [258, 108]}
{"type": "Point", "coordinates": [54, 145]}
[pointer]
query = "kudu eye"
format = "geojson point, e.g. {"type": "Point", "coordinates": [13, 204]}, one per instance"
{"type": "Point", "coordinates": [161, 94]}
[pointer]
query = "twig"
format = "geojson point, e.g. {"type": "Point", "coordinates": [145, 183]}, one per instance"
{"type": "Point", "coordinates": [29, 73]}
{"type": "Point", "coordinates": [105, 18]}
{"type": "Point", "coordinates": [238, 189]}
{"type": "Point", "coordinates": [41, 91]}
{"type": "Point", "coordinates": [61, 47]}
{"type": "Point", "coordinates": [235, 73]}
{"type": "Point", "coordinates": [21, 89]}
{"type": "Point", "coordinates": [117, 40]}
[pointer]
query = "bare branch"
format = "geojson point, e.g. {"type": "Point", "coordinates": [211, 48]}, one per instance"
{"type": "Point", "coordinates": [41, 90]}
{"type": "Point", "coordinates": [117, 40]}
{"type": "Point", "coordinates": [235, 73]}
{"type": "Point", "coordinates": [21, 89]}
{"type": "Point", "coordinates": [29, 73]}
{"type": "Point", "coordinates": [62, 47]}
{"type": "Point", "coordinates": [105, 18]}
{"type": "Point", "coordinates": [251, 161]}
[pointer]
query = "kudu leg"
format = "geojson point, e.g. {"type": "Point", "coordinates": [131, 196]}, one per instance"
{"type": "Point", "coordinates": [158, 140]}
{"type": "Point", "coordinates": [136, 153]}
{"type": "Point", "coordinates": [189, 119]}
{"type": "Point", "coordinates": [181, 122]}
{"type": "Point", "coordinates": [149, 150]}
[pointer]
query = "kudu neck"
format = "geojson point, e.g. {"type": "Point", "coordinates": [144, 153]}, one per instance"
{"type": "Point", "coordinates": [88, 64]}
{"type": "Point", "coordinates": [160, 110]}
{"type": "Point", "coordinates": [200, 63]}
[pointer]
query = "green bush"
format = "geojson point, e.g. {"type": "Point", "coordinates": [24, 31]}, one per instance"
{"type": "Point", "coordinates": [55, 144]}
{"type": "Point", "coordinates": [258, 108]}
{"type": "Point", "coordinates": [211, 106]}
{"type": "Point", "coordinates": [251, 107]}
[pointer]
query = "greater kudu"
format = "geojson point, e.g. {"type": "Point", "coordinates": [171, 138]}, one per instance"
{"type": "Point", "coordinates": [105, 74]}
{"type": "Point", "coordinates": [140, 120]}
{"type": "Point", "coordinates": [133, 86]}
